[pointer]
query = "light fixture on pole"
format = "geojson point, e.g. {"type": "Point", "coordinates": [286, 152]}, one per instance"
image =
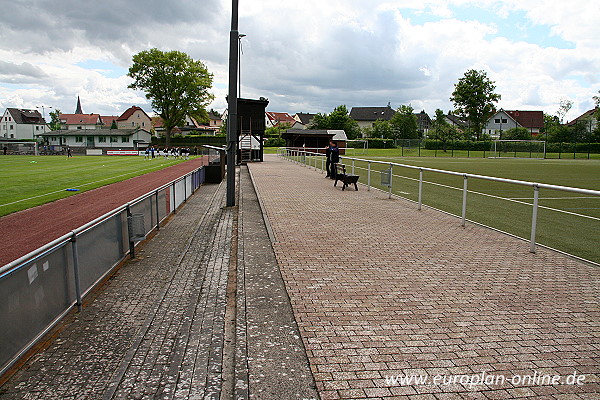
{"type": "Point", "coordinates": [43, 115]}
{"type": "Point", "coordinates": [240, 36]}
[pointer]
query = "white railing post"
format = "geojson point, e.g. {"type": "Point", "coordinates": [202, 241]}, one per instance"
{"type": "Point", "coordinates": [369, 176]}
{"type": "Point", "coordinates": [390, 188]}
{"type": "Point", "coordinates": [420, 188]}
{"type": "Point", "coordinates": [536, 198]}
{"type": "Point", "coordinates": [352, 167]}
{"type": "Point", "coordinates": [464, 201]}
{"type": "Point", "coordinates": [322, 165]}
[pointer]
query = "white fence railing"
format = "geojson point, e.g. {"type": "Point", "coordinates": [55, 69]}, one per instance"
{"type": "Point", "coordinates": [316, 159]}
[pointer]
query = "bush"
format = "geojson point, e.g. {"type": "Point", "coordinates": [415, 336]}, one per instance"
{"type": "Point", "coordinates": [274, 142]}
{"type": "Point", "coordinates": [472, 145]}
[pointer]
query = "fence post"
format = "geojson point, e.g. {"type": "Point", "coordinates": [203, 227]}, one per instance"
{"type": "Point", "coordinates": [131, 243]}
{"type": "Point", "coordinates": [420, 188]}
{"type": "Point", "coordinates": [464, 202]}
{"type": "Point", "coordinates": [174, 205]}
{"type": "Point", "coordinates": [322, 164]}
{"type": "Point", "coordinates": [391, 175]}
{"type": "Point", "coordinates": [157, 213]}
{"type": "Point", "coordinates": [76, 271]}
{"type": "Point", "coordinates": [536, 197]}
{"type": "Point", "coordinates": [369, 176]}
{"type": "Point", "coordinates": [352, 167]}
{"type": "Point", "coordinates": [185, 188]}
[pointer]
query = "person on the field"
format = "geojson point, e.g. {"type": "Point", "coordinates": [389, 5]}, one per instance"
{"type": "Point", "coordinates": [332, 152]}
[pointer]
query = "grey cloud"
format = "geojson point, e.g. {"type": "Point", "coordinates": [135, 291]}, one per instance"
{"type": "Point", "coordinates": [20, 73]}
{"type": "Point", "coordinates": [45, 26]}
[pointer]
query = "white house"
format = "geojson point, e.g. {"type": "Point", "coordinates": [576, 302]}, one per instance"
{"type": "Point", "coordinates": [19, 123]}
{"type": "Point", "coordinates": [104, 138]}
{"type": "Point", "coordinates": [504, 120]}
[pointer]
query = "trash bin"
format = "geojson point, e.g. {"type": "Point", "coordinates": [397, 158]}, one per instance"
{"type": "Point", "coordinates": [135, 223]}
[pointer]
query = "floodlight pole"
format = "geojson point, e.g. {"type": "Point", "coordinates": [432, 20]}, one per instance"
{"type": "Point", "coordinates": [232, 140]}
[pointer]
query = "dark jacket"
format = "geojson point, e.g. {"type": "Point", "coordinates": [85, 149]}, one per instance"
{"type": "Point", "coordinates": [333, 154]}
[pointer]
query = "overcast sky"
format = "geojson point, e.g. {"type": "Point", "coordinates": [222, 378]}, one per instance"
{"type": "Point", "coordinates": [306, 56]}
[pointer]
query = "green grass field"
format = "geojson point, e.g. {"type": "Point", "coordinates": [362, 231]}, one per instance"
{"type": "Point", "coordinates": [566, 221]}
{"type": "Point", "coordinates": [29, 181]}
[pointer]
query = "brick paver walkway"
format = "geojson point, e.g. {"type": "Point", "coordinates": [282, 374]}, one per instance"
{"type": "Point", "coordinates": [380, 290]}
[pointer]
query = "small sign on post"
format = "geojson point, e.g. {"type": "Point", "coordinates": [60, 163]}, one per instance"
{"type": "Point", "coordinates": [386, 178]}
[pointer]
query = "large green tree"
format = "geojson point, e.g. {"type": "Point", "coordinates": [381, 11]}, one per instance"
{"type": "Point", "coordinates": [474, 97]}
{"type": "Point", "coordinates": [54, 120]}
{"type": "Point", "coordinates": [404, 123]}
{"type": "Point", "coordinates": [176, 84]}
{"type": "Point", "coordinates": [337, 119]}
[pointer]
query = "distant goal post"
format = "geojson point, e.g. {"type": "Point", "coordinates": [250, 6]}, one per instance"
{"type": "Point", "coordinates": [357, 146]}
{"type": "Point", "coordinates": [535, 149]}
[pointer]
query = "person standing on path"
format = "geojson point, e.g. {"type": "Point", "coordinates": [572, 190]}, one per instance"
{"type": "Point", "coordinates": [332, 152]}
{"type": "Point", "coordinates": [69, 152]}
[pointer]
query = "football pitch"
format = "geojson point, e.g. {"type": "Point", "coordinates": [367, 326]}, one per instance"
{"type": "Point", "coordinates": [29, 181]}
{"type": "Point", "coordinates": [569, 222]}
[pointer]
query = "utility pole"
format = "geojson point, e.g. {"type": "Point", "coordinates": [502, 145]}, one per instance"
{"type": "Point", "coordinates": [232, 140]}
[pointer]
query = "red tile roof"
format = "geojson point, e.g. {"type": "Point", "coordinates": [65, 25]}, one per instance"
{"type": "Point", "coordinates": [528, 119]}
{"type": "Point", "coordinates": [277, 118]}
{"type": "Point", "coordinates": [75, 119]}
{"type": "Point", "coordinates": [585, 116]}
{"type": "Point", "coordinates": [129, 112]}
{"type": "Point", "coordinates": [107, 120]}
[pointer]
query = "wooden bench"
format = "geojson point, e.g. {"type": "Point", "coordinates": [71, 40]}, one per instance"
{"type": "Point", "coordinates": [347, 179]}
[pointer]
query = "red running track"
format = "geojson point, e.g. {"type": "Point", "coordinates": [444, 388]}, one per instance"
{"type": "Point", "coordinates": [24, 231]}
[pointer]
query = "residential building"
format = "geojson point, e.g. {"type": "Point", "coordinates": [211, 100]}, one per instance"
{"type": "Point", "coordinates": [273, 119]}
{"type": "Point", "coordinates": [80, 121]}
{"type": "Point", "coordinates": [20, 123]}
{"type": "Point", "coordinates": [107, 120]}
{"type": "Point", "coordinates": [134, 117]}
{"type": "Point", "coordinates": [215, 122]}
{"type": "Point", "coordinates": [366, 116]}
{"type": "Point", "coordinates": [91, 138]}
{"type": "Point", "coordinates": [304, 120]}
{"type": "Point", "coordinates": [423, 123]}
{"type": "Point", "coordinates": [589, 118]}
{"type": "Point", "coordinates": [457, 122]}
{"type": "Point", "coordinates": [503, 120]}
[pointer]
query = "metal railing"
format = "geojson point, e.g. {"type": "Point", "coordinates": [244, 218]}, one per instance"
{"type": "Point", "coordinates": [317, 160]}
{"type": "Point", "coordinates": [40, 288]}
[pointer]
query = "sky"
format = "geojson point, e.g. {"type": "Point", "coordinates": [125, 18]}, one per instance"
{"type": "Point", "coordinates": [306, 56]}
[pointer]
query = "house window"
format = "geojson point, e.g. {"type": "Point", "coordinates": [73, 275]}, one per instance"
{"type": "Point", "coordinates": [504, 120]}
{"type": "Point", "coordinates": [12, 127]}
{"type": "Point", "coordinates": [124, 139]}
{"type": "Point", "coordinates": [53, 138]}
{"type": "Point", "coordinates": [133, 124]}
{"type": "Point", "coordinates": [101, 139]}
{"type": "Point", "coordinates": [497, 120]}
{"type": "Point", "coordinates": [114, 139]}
{"type": "Point", "coordinates": [79, 139]}
{"type": "Point", "coordinates": [37, 128]}
{"type": "Point", "coordinates": [143, 124]}
{"type": "Point", "coordinates": [78, 127]}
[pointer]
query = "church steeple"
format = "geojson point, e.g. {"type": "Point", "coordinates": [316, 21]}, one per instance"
{"type": "Point", "coordinates": [78, 110]}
